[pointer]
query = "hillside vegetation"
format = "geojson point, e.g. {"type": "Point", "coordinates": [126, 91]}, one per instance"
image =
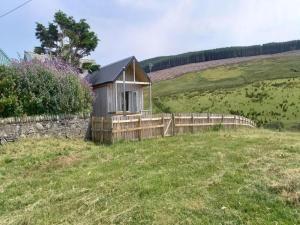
{"type": "Point", "coordinates": [267, 91]}
{"type": "Point", "coordinates": [164, 62]}
{"type": "Point", "coordinates": [233, 177]}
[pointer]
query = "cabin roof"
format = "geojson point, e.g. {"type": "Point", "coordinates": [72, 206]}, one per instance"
{"type": "Point", "coordinates": [111, 72]}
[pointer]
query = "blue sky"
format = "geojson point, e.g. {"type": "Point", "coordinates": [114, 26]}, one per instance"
{"type": "Point", "coordinates": [149, 28]}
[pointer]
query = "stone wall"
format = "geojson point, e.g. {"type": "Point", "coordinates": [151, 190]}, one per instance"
{"type": "Point", "coordinates": [66, 126]}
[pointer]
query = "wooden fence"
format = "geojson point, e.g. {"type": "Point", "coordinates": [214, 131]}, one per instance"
{"type": "Point", "coordinates": [136, 127]}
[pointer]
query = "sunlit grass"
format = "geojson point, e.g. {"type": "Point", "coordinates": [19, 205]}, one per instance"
{"type": "Point", "coordinates": [232, 177]}
{"type": "Point", "coordinates": [221, 73]}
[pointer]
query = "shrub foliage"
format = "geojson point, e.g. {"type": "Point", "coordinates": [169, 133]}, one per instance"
{"type": "Point", "coordinates": [35, 88]}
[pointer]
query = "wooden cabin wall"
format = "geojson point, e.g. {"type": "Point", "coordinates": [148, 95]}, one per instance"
{"type": "Point", "coordinates": [130, 87]}
{"type": "Point", "coordinates": [128, 77]}
{"type": "Point", "coordinates": [111, 100]}
{"type": "Point", "coordinates": [100, 101]}
{"type": "Point", "coordinates": [139, 75]}
{"type": "Point", "coordinates": [105, 96]}
{"type": "Point", "coordinates": [105, 100]}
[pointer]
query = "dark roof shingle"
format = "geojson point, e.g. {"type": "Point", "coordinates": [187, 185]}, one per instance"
{"type": "Point", "coordinates": [109, 73]}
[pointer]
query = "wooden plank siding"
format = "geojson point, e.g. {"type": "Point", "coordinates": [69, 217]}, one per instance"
{"type": "Point", "coordinates": [100, 101]}
{"type": "Point", "coordinates": [109, 97]}
{"type": "Point", "coordinates": [137, 127]}
{"type": "Point", "coordinates": [105, 101]}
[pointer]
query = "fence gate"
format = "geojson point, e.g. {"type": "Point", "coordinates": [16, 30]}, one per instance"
{"type": "Point", "coordinates": [168, 122]}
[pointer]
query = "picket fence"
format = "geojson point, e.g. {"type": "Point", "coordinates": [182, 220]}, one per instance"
{"type": "Point", "coordinates": [138, 127]}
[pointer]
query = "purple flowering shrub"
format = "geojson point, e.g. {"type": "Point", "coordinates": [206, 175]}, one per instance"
{"type": "Point", "coordinates": [35, 88]}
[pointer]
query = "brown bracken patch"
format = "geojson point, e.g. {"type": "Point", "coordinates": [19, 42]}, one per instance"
{"type": "Point", "coordinates": [69, 160]}
{"type": "Point", "coordinates": [61, 162]}
{"type": "Point", "coordinates": [288, 186]}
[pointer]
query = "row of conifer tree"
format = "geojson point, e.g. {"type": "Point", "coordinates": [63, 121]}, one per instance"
{"type": "Point", "coordinates": [160, 63]}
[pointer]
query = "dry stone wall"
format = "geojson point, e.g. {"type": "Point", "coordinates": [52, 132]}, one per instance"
{"type": "Point", "coordinates": [66, 126]}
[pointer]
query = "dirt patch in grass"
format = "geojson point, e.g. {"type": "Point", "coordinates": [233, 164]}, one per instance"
{"type": "Point", "coordinates": [287, 186]}
{"type": "Point", "coordinates": [195, 204]}
{"type": "Point", "coordinates": [66, 160]}
{"type": "Point", "coordinates": [61, 162]}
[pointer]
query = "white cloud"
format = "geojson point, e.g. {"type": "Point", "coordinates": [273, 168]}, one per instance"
{"type": "Point", "coordinates": [190, 25]}
{"type": "Point", "coordinates": [149, 28]}
{"type": "Point", "coordinates": [160, 35]}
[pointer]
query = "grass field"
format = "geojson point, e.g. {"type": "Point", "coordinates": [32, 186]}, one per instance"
{"type": "Point", "coordinates": [267, 91]}
{"type": "Point", "coordinates": [232, 177]}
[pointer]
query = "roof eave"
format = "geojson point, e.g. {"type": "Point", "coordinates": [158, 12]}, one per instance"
{"type": "Point", "coordinates": [95, 86]}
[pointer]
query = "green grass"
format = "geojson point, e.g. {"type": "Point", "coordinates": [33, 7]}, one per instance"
{"type": "Point", "coordinates": [267, 91]}
{"type": "Point", "coordinates": [221, 73]}
{"type": "Point", "coordinates": [232, 177]}
{"type": "Point", "coordinates": [235, 75]}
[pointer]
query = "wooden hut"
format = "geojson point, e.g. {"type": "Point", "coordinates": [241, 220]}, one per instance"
{"type": "Point", "coordinates": [119, 88]}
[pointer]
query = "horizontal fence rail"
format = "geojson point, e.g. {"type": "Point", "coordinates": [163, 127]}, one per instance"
{"type": "Point", "coordinates": [137, 127]}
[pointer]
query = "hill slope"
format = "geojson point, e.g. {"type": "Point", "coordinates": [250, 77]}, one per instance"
{"type": "Point", "coordinates": [234, 177]}
{"type": "Point", "coordinates": [267, 91]}
{"type": "Point", "coordinates": [178, 71]}
{"type": "Point", "coordinates": [165, 62]}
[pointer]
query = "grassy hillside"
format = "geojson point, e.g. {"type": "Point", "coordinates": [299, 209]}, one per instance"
{"type": "Point", "coordinates": [267, 91]}
{"type": "Point", "coordinates": [234, 177]}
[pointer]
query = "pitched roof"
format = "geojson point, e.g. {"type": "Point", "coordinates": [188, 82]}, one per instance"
{"type": "Point", "coordinates": [110, 73]}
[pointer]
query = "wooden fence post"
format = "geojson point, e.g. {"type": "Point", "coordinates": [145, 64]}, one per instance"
{"type": "Point", "coordinates": [111, 129]}
{"type": "Point", "coordinates": [163, 126]}
{"type": "Point", "coordinates": [234, 121]}
{"type": "Point", "coordinates": [102, 130]}
{"type": "Point", "coordinates": [92, 128]}
{"type": "Point", "coordinates": [193, 122]}
{"type": "Point", "coordinates": [173, 124]}
{"type": "Point", "coordinates": [140, 126]}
